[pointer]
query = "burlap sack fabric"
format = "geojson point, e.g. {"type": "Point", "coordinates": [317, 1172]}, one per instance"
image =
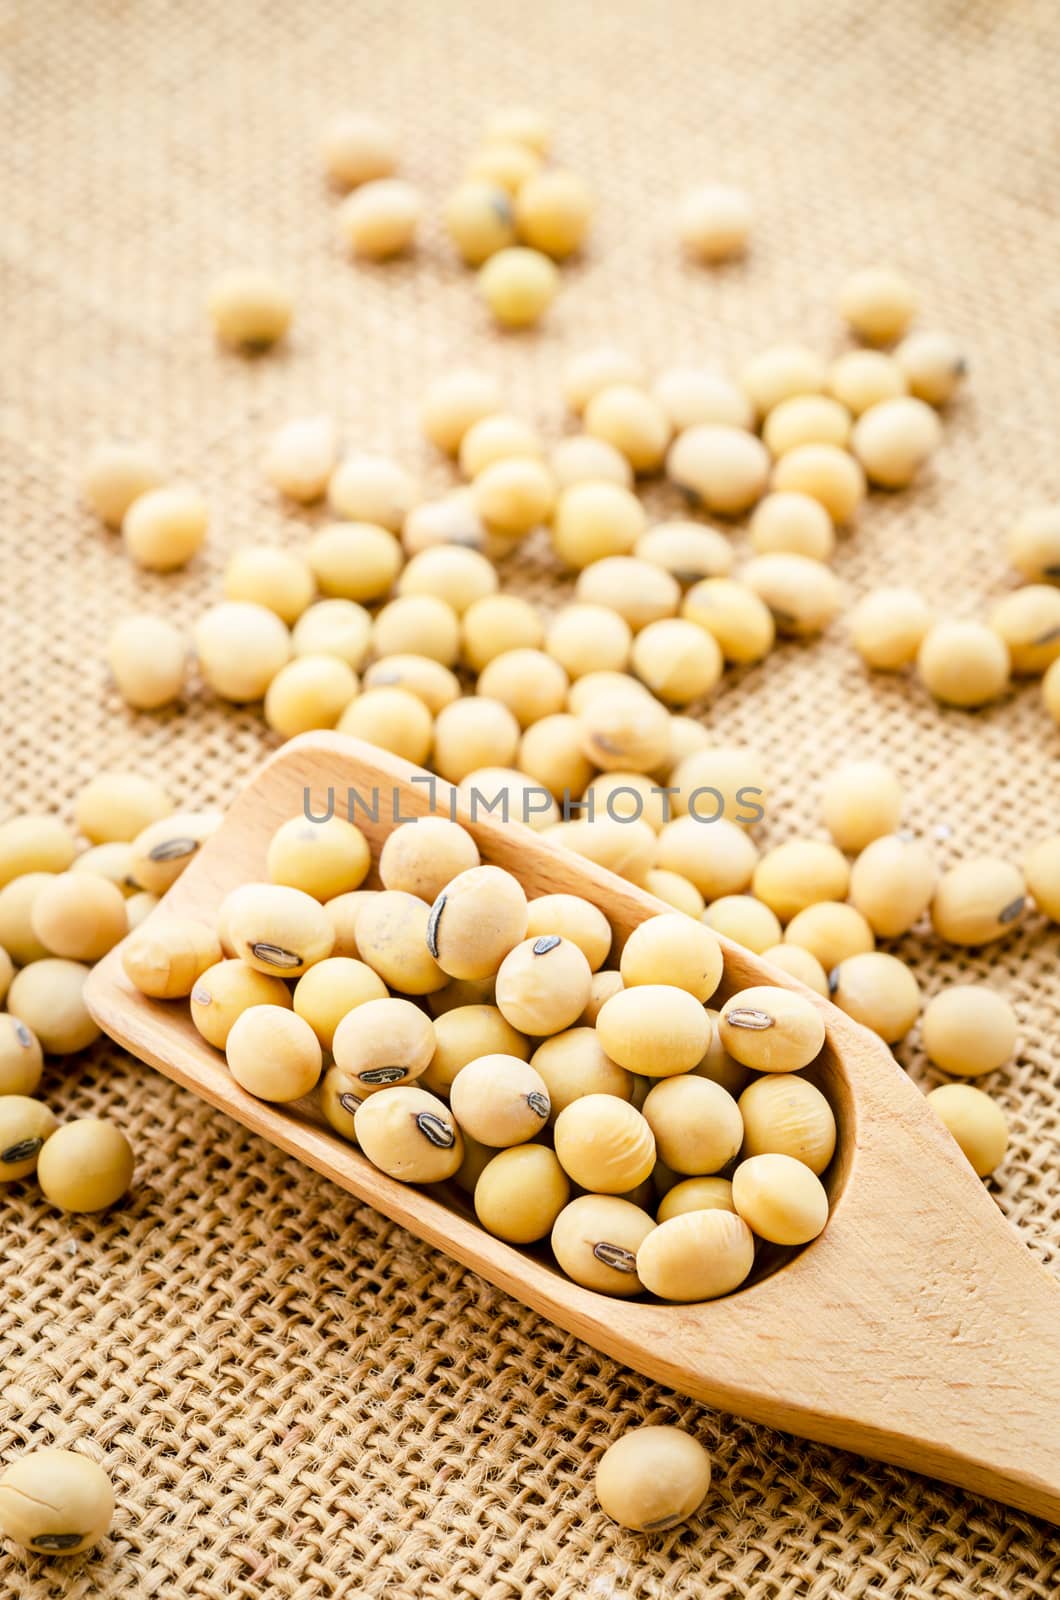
{"type": "Point", "coordinates": [294, 1397]}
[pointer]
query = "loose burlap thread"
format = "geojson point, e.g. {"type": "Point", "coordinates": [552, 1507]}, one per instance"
{"type": "Point", "coordinates": [294, 1397]}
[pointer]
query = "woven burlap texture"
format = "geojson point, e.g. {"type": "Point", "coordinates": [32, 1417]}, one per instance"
{"type": "Point", "coordinates": [294, 1397]}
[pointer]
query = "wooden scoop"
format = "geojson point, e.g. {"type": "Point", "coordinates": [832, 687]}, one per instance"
{"type": "Point", "coordinates": [917, 1328]}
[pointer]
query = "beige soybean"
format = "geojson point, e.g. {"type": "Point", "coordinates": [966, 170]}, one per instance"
{"type": "Point", "coordinates": [799, 874]}
{"type": "Point", "coordinates": [594, 519]}
{"type": "Point", "coordinates": [497, 623]}
{"type": "Point", "coordinates": [879, 991]}
{"type": "Point", "coordinates": [604, 985]}
{"type": "Point", "coordinates": [553, 210]}
{"type": "Point", "coordinates": [55, 1502]}
{"type": "Point", "coordinates": [453, 402]}
{"type": "Point", "coordinates": [892, 883]}
{"type": "Point", "coordinates": [798, 963]}
{"type": "Point", "coordinates": [357, 147]}
{"type": "Point", "coordinates": [861, 801]}
{"type": "Point", "coordinates": [968, 1030]}
{"type": "Point", "coordinates": [693, 395]}
{"type": "Point", "coordinates": [620, 731]}
{"type": "Point", "coordinates": [826, 473]}
{"type": "Point", "coordinates": [588, 638]}
{"type": "Point", "coordinates": [888, 626]}
{"type": "Point", "coordinates": [299, 458]}
{"type": "Point", "coordinates": [745, 920]}
{"type": "Point", "coordinates": [1042, 868]}
{"type": "Point", "coordinates": [638, 591]}
{"type": "Point", "coordinates": [697, 1255]}
{"type": "Point", "coordinates": [373, 491]}
{"type": "Point", "coordinates": [717, 857]}
{"type": "Point", "coordinates": [592, 371]}
{"type": "Point", "coordinates": [785, 1114]}
{"type": "Point", "coordinates": [574, 1064]}
{"type": "Point", "coordinates": [409, 1134]}
{"type": "Point", "coordinates": [697, 1124]}
{"type": "Point", "coordinates": [720, 469]}
{"type": "Point", "coordinates": [595, 1239]}
{"type": "Point", "coordinates": [572, 918]}
{"type": "Point", "coordinates": [164, 528]}
{"type": "Point", "coordinates": [624, 796]}
{"type": "Point", "coordinates": [667, 949]}
{"type": "Point", "coordinates": [116, 806]}
{"type": "Point", "coordinates": [333, 988]}
{"type": "Point", "coordinates": [878, 303]}
{"type": "Point", "coordinates": [86, 1165]}
{"type": "Point", "coordinates": [508, 162]}
{"type": "Point", "coordinates": [322, 859]}
{"type": "Point", "coordinates": [450, 520]}
{"type": "Point", "coordinates": [1033, 544]}
{"type": "Point", "coordinates": [964, 663]}
{"type": "Point", "coordinates": [530, 683]}
{"type": "Point", "coordinates": [339, 628]}
{"type": "Point", "coordinates": [476, 920]}
{"type": "Point", "coordinates": [543, 985]}
{"type": "Point", "coordinates": [740, 621]}
{"type": "Point", "coordinates": [978, 900]}
{"type": "Point", "coordinates": [803, 595]}
{"type": "Point", "coordinates": [111, 861]}
{"type": "Point", "coordinates": [518, 285]}
{"type": "Point", "coordinates": [471, 733]}
{"type": "Point", "coordinates": [342, 912]}
{"type": "Point", "coordinates": [792, 524]}
{"type": "Point", "coordinates": [831, 931]}
{"type": "Point", "coordinates": [21, 1057]}
{"type": "Point", "coordinates": [933, 364]}
{"type": "Point", "coordinates": [1028, 620]}
{"type": "Point", "coordinates": [16, 917]}
{"type": "Point", "coordinates": [632, 420]}
{"type": "Point", "coordinates": [657, 1030]}
{"type": "Point", "coordinates": [480, 219]}
{"type": "Point", "coordinates": [450, 573]}
{"type": "Point", "coordinates": [147, 656]}
{"type": "Point", "coordinates": [139, 908]}
{"type": "Point", "coordinates": [461, 992]}
{"type": "Point", "coordinates": [417, 623]}
{"type": "Point", "coordinates": [161, 851]}
{"type": "Point", "coordinates": [779, 373]}
{"type": "Point", "coordinates": [117, 474]}
{"type": "Point", "coordinates": [514, 495]}
{"type": "Point", "coordinates": [714, 221]}
{"type": "Point", "coordinates": [392, 935]}
{"type": "Point", "coordinates": [379, 219]}
{"type": "Point", "coordinates": [249, 308]}
{"type": "Point", "coordinates": [780, 1199]}
{"type": "Point", "coordinates": [310, 692]}
{"type": "Point", "coordinates": [602, 680]}
{"type": "Point", "coordinates": [340, 1097]}
{"type": "Point", "coordinates": [167, 960]}
{"type": "Point", "coordinates": [551, 753]}
{"type": "Point", "coordinates": [241, 647]}
{"type": "Point", "coordinates": [522, 125]}
{"type": "Point", "coordinates": [652, 1479]}
{"type": "Point", "coordinates": [806, 419]}
{"type": "Point", "coordinates": [465, 1033]}
{"type": "Point", "coordinates": [276, 929]}
{"type": "Point", "coordinates": [25, 1126]}
{"type": "Point", "coordinates": [520, 1193]}
{"type": "Point", "coordinates": [859, 379]}
{"type": "Point", "coordinates": [976, 1122]}
{"type": "Point", "coordinates": [894, 439]}
{"type": "Point", "coordinates": [384, 1041]}
{"type": "Point", "coordinates": [79, 915]}
{"type": "Point", "coordinates": [354, 560]}
{"type": "Point", "coordinates": [394, 719]}
{"type": "Point", "coordinates": [770, 1029]}
{"type": "Point", "coordinates": [510, 795]}
{"type": "Point", "coordinates": [500, 1100]}
{"type": "Point", "coordinates": [423, 856]}
{"type": "Point", "coordinates": [225, 991]}
{"type": "Point", "coordinates": [422, 676]}
{"type": "Point", "coordinates": [34, 844]}
{"type": "Point", "coordinates": [687, 551]}
{"type": "Point", "coordinates": [581, 458]}
{"type": "Point", "coordinates": [627, 848]}
{"type": "Point", "coordinates": [721, 780]}
{"type": "Point", "coordinates": [677, 660]}
{"type": "Point", "coordinates": [266, 575]}
{"type": "Point", "coordinates": [604, 1144]}
{"type": "Point", "coordinates": [695, 1194]}
{"type": "Point", "coordinates": [273, 1053]}
{"type": "Point", "coordinates": [47, 997]}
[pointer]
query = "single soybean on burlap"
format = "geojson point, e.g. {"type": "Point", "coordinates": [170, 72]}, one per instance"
{"type": "Point", "coordinates": [294, 1397]}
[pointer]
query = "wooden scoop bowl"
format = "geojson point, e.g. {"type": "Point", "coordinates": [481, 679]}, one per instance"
{"type": "Point", "coordinates": [917, 1328]}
